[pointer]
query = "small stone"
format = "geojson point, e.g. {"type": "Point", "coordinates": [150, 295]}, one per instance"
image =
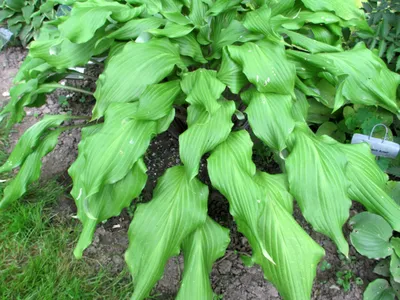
{"type": "Point", "coordinates": [46, 110]}
{"type": "Point", "coordinates": [236, 271]}
{"type": "Point", "coordinates": [225, 266]}
{"type": "Point", "coordinates": [6, 94]}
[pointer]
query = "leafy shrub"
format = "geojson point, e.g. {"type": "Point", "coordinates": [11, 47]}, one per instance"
{"type": "Point", "coordinates": [210, 59]}
{"type": "Point", "coordinates": [384, 19]}
{"type": "Point", "coordinates": [25, 18]}
{"type": "Point", "coordinates": [372, 237]}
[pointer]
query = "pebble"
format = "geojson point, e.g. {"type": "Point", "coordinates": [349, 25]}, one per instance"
{"type": "Point", "coordinates": [225, 266]}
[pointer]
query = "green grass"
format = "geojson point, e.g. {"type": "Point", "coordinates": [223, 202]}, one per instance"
{"type": "Point", "coordinates": [36, 260]}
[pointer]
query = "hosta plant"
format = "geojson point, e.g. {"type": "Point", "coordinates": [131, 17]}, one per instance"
{"type": "Point", "coordinates": [212, 60]}
{"type": "Point", "coordinates": [372, 237]}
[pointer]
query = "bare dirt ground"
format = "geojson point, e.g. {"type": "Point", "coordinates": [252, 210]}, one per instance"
{"type": "Point", "coordinates": [230, 278]}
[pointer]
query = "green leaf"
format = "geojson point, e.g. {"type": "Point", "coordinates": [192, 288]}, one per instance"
{"type": "Point", "coordinates": [30, 170]}
{"type": "Point", "coordinates": [379, 289]}
{"type": "Point", "coordinates": [152, 6]}
{"type": "Point", "coordinates": [368, 183]}
{"type": "Point", "coordinates": [234, 32]}
{"type": "Point", "coordinates": [265, 65]}
{"type": "Point", "coordinates": [317, 181]}
{"type": "Point", "coordinates": [30, 140]}
{"type": "Point", "coordinates": [280, 6]}
{"type": "Point", "coordinates": [188, 46]}
{"type": "Point", "coordinates": [396, 287]}
{"type": "Point", "coordinates": [395, 242]}
{"type": "Point", "coordinates": [221, 6]}
{"type": "Point", "coordinates": [303, 17]}
{"type": "Point", "coordinates": [370, 235]}
{"type": "Point", "coordinates": [347, 10]}
{"type": "Point", "coordinates": [133, 28]}
{"type": "Point", "coordinates": [123, 140]}
{"type": "Point", "coordinates": [393, 190]}
{"type": "Point", "coordinates": [259, 21]}
{"type": "Point", "coordinates": [327, 128]}
{"type": "Point", "coordinates": [27, 13]}
{"type": "Point", "coordinates": [231, 74]}
{"type": "Point", "coordinates": [16, 5]}
{"type": "Point", "coordinates": [205, 132]}
{"type": "Point", "coordinates": [156, 100]}
{"type": "Point", "coordinates": [277, 188]}
{"type": "Point", "coordinates": [201, 249]}
{"type": "Point", "coordinates": [109, 201]}
{"type": "Point", "coordinates": [143, 64]}
{"type": "Point", "coordinates": [88, 16]}
{"type": "Point", "coordinates": [270, 117]}
{"type": "Point", "coordinates": [309, 44]}
{"type": "Point", "coordinates": [382, 268]}
{"type": "Point", "coordinates": [172, 30]}
{"type": "Point", "coordinates": [61, 53]}
{"type": "Point", "coordinates": [364, 76]}
{"type": "Point", "coordinates": [395, 267]}
{"type": "Point", "coordinates": [197, 13]}
{"type": "Point", "coordinates": [277, 241]}
{"type": "Point", "coordinates": [178, 207]}
{"type": "Point", "coordinates": [203, 89]}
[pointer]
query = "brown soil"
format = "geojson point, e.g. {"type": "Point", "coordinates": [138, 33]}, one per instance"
{"type": "Point", "coordinates": [230, 278]}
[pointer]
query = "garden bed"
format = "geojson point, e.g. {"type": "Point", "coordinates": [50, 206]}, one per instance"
{"type": "Point", "coordinates": [230, 278]}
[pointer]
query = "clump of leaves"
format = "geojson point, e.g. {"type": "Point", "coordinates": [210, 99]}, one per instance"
{"type": "Point", "coordinates": [23, 19]}
{"type": "Point", "coordinates": [210, 59]}
{"type": "Point", "coordinates": [372, 237]}
{"type": "Point", "coordinates": [345, 278]}
{"type": "Point", "coordinates": [384, 19]}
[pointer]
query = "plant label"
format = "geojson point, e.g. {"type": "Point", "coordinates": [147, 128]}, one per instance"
{"type": "Point", "coordinates": [379, 147]}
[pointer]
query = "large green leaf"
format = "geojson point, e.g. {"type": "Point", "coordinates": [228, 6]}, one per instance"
{"type": "Point", "coordinates": [317, 180]}
{"type": "Point", "coordinates": [112, 152]}
{"type": "Point", "coordinates": [203, 89]}
{"type": "Point", "coordinates": [231, 74]}
{"type": "Point", "coordinates": [205, 132]}
{"type": "Point", "coordinates": [379, 289]}
{"type": "Point", "coordinates": [368, 183]}
{"type": "Point", "coordinates": [259, 21]}
{"type": "Point", "coordinates": [360, 76]}
{"type": "Point", "coordinates": [88, 16]}
{"type": "Point", "coordinates": [309, 44]}
{"type": "Point", "coordinates": [347, 10]}
{"type": "Point", "coordinates": [179, 207]}
{"type": "Point", "coordinates": [222, 37]}
{"type": "Point", "coordinates": [62, 53]}
{"type": "Point", "coordinates": [201, 249]}
{"type": "Point", "coordinates": [371, 234]}
{"type": "Point", "coordinates": [143, 64]}
{"type": "Point", "coordinates": [30, 169]}
{"type": "Point", "coordinates": [395, 267]}
{"type": "Point", "coordinates": [270, 117]}
{"type": "Point", "coordinates": [111, 198]}
{"type": "Point", "coordinates": [277, 188]}
{"type": "Point", "coordinates": [133, 28]}
{"type": "Point", "coordinates": [221, 6]}
{"type": "Point", "coordinates": [277, 241]}
{"type": "Point", "coordinates": [172, 30]}
{"type": "Point", "coordinates": [30, 140]}
{"type": "Point", "coordinates": [188, 46]}
{"type": "Point", "coordinates": [265, 65]}
{"type": "Point", "coordinates": [156, 100]}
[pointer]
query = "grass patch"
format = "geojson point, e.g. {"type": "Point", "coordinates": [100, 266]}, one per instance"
{"type": "Point", "coordinates": [36, 260]}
